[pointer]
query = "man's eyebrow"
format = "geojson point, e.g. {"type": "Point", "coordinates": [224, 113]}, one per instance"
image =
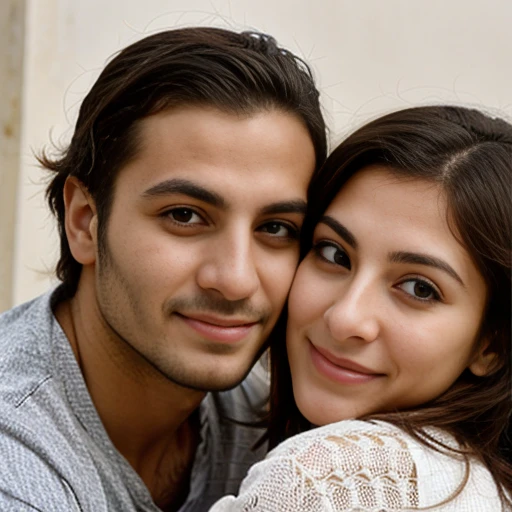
{"type": "Point", "coordinates": [294, 206]}
{"type": "Point", "coordinates": [340, 230]}
{"type": "Point", "coordinates": [187, 188]}
{"type": "Point", "coordinates": [425, 259]}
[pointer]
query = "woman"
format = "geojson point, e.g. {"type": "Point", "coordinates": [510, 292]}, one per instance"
{"type": "Point", "coordinates": [398, 337]}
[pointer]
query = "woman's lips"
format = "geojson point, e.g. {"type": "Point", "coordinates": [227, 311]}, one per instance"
{"type": "Point", "coordinates": [340, 370]}
{"type": "Point", "coordinates": [222, 330]}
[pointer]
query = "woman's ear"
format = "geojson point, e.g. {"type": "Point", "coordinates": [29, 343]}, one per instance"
{"type": "Point", "coordinates": [80, 222]}
{"type": "Point", "coordinates": [484, 361]}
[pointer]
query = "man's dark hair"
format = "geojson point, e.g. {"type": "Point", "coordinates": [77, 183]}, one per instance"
{"type": "Point", "coordinates": [239, 73]}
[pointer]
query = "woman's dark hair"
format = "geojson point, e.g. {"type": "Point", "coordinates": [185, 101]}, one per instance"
{"type": "Point", "coordinates": [469, 154]}
{"type": "Point", "coordinates": [236, 73]}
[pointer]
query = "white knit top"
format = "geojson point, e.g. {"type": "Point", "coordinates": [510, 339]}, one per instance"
{"type": "Point", "coordinates": [364, 467]}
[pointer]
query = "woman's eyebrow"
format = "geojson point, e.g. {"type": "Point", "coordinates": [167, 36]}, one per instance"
{"type": "Point", "coordinates": [395, 257]}
{"type": "Point", "coordinates": [340, 230]}
{"type": "Point", "coordinates": [424, 259]}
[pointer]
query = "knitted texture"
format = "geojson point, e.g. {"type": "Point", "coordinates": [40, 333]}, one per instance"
{"type": "Point", "coordinates": [55, 454]}
{"type": "Point", "coordinates": [361, 466]}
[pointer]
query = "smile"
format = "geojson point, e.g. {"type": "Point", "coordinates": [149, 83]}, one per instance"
{"type": "Point", "coordinates": [219, 329]}
{"type": "Point", "coordinates": [340, 370]}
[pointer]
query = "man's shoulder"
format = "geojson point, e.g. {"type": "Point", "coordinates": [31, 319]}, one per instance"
{"type": "Point", "coordinates": [23, 315]}
{"type": "Point", "coordinates": [50, 458]}
{"type": "Point", "coordinates": [35, 417]}
{"type": "Point", "coordinates": [47, 462]}
{"type": "Point", "coordinates": [37, 452]}
{"type": "Point", "coordinates": [25, 349]}
{"type": "Point", "coordinates": [30, 320]}
{"type": "Point", "coordinates": [34, 412]}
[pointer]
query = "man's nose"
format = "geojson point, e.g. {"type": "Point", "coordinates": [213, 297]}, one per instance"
{"type": "Point", "coordinates": [229, 267]}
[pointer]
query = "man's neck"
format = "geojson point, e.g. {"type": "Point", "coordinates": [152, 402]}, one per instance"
{"type": "Point", "coordinates": [149, 419]}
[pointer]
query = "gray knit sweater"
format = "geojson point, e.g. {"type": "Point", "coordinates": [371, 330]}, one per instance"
{"type": "Point", "coordinates": [55, 454]}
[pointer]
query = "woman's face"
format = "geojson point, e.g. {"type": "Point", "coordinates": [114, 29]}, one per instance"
{"type": "Point", "coordinates": [385, 309]}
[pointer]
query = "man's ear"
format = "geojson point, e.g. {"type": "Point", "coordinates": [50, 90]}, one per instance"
{"type": "Point", "coordinates": [484, 361]}
{"type": "Point", "coordinates": [81, 221]}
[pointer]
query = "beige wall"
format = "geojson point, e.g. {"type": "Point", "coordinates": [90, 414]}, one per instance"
{"type": "Point", "coordinates": [12, 25]}
{"type": "Point", "coordinates": [369, 56]}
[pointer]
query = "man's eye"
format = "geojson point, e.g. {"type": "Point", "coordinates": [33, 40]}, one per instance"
{"type": "Point", "coordinates": [332, 254]}
{"type": "Point", "coordinates": [184, 216]}
{"type": "Point", "coordinates": [420, 290]}
{"type": "Point", "coordinates": [279, 230]}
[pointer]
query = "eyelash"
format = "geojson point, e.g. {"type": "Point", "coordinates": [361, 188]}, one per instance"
{"type": "Point", "coordinates": [436, 295]}
{"type": "Point", "coordinates": [168, 214]}
{"type": "Point", "coordinates": [293, 231]}
{"type": "Point", "coordinates": [323, 244]}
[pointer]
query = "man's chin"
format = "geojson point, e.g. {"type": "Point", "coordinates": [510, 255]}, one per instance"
{"type": "Point", "coordinates": [220, 384]}
{"type": "Point", "coordinates": [206, 383]}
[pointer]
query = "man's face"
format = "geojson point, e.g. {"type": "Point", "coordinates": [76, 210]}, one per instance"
{"type": "Point", "coordinates": [202, 241]}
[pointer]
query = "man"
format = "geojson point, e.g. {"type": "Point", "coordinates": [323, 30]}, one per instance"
{"type": "Point", "coordinates": [179, 203]}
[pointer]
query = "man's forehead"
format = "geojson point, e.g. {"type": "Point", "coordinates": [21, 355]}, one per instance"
{"type": "Point", "coordinates": [259, 163]}
{"type": "Point", "coordinates": [206, 128]}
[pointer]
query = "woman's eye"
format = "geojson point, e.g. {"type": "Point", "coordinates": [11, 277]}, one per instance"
{"type": "Point", "coordinates": [184, 216]}
{"type": "Point", "coordinates": [420, 290]}
{"type": "Point", "coordinates": [333, 254]}
{"type": "Point", "coordinates": [279, 230]}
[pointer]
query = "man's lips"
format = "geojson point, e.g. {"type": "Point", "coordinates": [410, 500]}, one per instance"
{"type": "Point", "coordinates": [220, 329]}
{"type": "Point", "coordinates": [340, 369]}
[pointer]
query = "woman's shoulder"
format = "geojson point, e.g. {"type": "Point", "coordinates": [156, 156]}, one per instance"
{"type": "Point", "coordinates": [398, 469]}
{"type": "Point", "coordinates": [365, 460]}
{"type": "Point", "coordinates": [361, 465]}
{"type": "Point", "coordinates": [346, 433]}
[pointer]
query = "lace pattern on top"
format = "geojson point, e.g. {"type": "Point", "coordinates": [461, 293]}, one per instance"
{"type": "Point", "coordinates": [357, 471]}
